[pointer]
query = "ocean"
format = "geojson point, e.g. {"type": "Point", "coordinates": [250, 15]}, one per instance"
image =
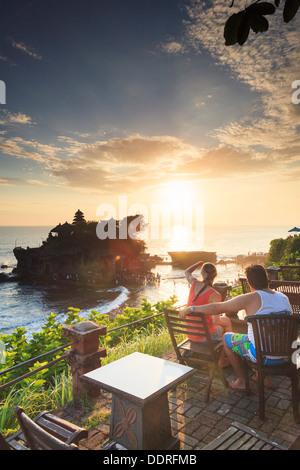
{"type": "Point", "coordinates": [26, 306]}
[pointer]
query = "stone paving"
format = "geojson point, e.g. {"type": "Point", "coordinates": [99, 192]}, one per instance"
{"type": "Point", "coordinates": [195, 422]}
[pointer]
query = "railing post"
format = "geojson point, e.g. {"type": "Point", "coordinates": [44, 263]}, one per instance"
{"type": "Point", "coordinates": [85, 355]}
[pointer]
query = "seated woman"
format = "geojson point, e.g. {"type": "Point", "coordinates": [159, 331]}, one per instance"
{"type": "Point", "coordinates": [202, 293]}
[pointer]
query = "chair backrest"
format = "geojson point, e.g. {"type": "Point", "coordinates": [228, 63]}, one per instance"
{"type": "Point", "coordinates": [36, 437]}
{"type": "Point", "coordinates": [292, 290]}
{"type": "Point", "coordinates": [196, 326]}
{"type": "Point", "coordinates": [245, 285]}
{"type": "Point", "coordinates": [275, 333]}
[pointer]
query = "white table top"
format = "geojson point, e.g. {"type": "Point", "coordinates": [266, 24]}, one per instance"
{"type": "Point", "coordinates": [139, 376]}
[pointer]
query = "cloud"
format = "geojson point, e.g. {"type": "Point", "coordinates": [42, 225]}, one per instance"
{"type": "Point", "coordinates": [224, 162]}
{"type": "Point", "coordinates": [36, 183]}
{"type": "Point", "coordinates": [26, 49]}
{"type": "Point", "coordinates": [20, 118]}
{"type": "Point", "coordinates": [20, 181]}
{"type": "Point", "coordinates": [268, 63]}
{"type": "Point", "coordinates": [137, 149]}
{"type": "Point", "coordinates": [32, 150]}
{"type": "Point", "coordinates": [103, 165]}
{"type": "Point", "coordinates": [4, 182]}
{"type": "Point", "coordinates": [15, 118]}
{"type": "Point", "coordinates": [135, 162]}
{"type": "Point", "coordinates": [172, 47]}
{"type": "Point", "coordinates": [106, 164]}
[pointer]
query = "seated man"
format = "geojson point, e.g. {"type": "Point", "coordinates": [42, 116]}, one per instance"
{"type": "Point", "coordinates": [261, 300]}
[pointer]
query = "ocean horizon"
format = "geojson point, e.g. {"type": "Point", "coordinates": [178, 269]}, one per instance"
{"type": "Point", "coordinates": [27, 306]}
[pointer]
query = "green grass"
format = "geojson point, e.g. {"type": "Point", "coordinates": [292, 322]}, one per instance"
{"type": "Point", "coordinates": [154, 344]}
{"type": "Point", "coordinates": [34, 397]}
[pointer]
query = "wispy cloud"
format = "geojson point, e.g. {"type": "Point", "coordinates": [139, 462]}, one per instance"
{"type": "Point", "coordinates": [20, 181]}
{"type": "Point", "coordinates": [268, 63]}
{"type": "Point", "coordinates": [136, 162]}
{"type": "Point", "coordinates": [31, 150]}
{"type": "Point", "coordinates": [172, 47]}
{"type": "Point", "coordinates": [26, 49]}
{"type": "Point", "coordinates": [106, 164]}
{"type": "Point", "coordinates": [14, 118]}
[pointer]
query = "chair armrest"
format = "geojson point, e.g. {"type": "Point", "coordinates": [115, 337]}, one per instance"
{"type": "Point", "coordinates": [249, 318]}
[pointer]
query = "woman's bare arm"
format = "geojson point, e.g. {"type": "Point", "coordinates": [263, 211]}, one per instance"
{"type": "Point", "coordinates": [190, 270]}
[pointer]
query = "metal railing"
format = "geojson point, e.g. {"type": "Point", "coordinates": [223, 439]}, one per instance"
{"type": "Point", "coordinates": [135, 322]}
{"type": "Point", "coordinates": [67, 354]}
{"type": "Point", "coordinates": [63, 357]}
{"type": "Point", "coordinates": [38, 369]}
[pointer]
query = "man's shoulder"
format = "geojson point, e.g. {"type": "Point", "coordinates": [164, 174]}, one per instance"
{"type": "Point", "coordinates": [251, 295]}
{"type": "Point", "coordinates": [249, 299]}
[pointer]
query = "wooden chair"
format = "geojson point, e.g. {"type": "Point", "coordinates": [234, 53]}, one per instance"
{"type": "Point", "coordinates": [245, 285]}
{"type": "Point", "coordinates": [241, 437]}
{"type": "Point", "coordinates": [292, 290]}
{"type": "Point", "coordinates": [195, 354]}
{"type": "Point", "coordinates": [45, 431]}
{"type": "Point", "coordinates": [275, 333]}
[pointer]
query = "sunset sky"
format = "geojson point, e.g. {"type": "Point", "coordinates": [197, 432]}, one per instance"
{"type": "Point", "coordinates": [141, 98]}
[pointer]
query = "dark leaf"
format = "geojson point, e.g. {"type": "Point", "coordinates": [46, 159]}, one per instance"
{"type": "Point", "coordinates": [244, 29]}
{"type": "Point", "coordinates": [290, 9]}
{"type": "Point", "coordinates": [259, 24]}
{"type": "Point", "coordinates": [277, 3]}
{"type": "Point", "coordinates": [231, 28]}
{"type": "Point", "coordinates": [263, 8]}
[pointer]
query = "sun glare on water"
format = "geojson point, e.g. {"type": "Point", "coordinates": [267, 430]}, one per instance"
{"type": "Point", "coordinates": [181, 238]}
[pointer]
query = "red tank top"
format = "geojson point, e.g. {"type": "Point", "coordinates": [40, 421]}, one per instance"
{"type": "Point", "coordinates": [202, 299]}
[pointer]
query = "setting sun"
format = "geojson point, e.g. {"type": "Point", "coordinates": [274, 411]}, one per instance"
{"type": "Point", "coordinates": [178, 194]}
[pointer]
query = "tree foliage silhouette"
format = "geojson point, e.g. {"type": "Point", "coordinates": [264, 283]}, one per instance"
{"type": "Point", "coordinates": [238, 25]}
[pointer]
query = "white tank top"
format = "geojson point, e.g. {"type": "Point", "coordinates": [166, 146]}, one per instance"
{"type": "Point", "coordinates": [270, 303]}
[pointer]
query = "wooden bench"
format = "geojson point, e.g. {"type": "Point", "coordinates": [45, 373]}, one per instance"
{"type": "Point", "coordinates": [61, 430]}
{"type": "Point", "coordinates": [241, 437]}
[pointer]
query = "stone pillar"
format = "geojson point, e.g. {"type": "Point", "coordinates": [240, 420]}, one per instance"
{"type": "Point", "coordinates": [85, 355]}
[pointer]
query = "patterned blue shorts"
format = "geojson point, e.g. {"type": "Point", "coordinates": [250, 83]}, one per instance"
{"type": "Point", "coordinates": [239, 343]}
